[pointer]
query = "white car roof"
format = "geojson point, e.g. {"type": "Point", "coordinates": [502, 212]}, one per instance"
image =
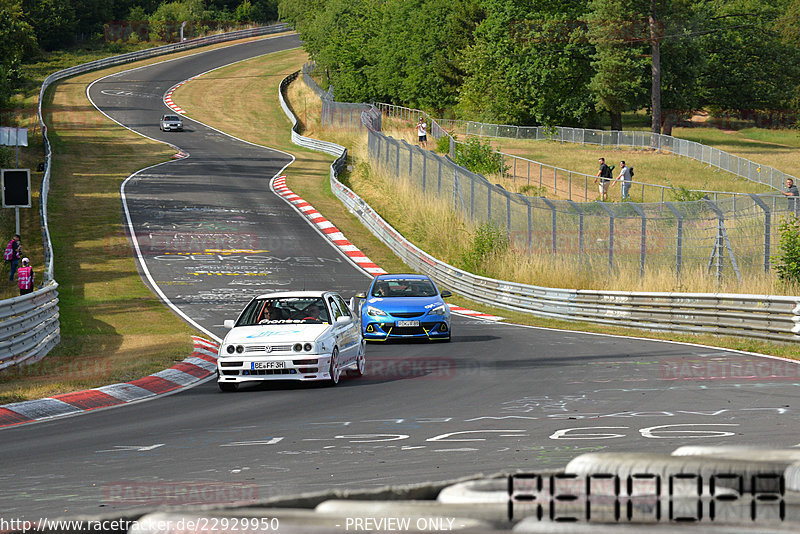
{"type": "Point", "coordinates": [297, 294]}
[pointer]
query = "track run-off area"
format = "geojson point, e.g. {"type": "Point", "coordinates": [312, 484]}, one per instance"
{"type": "Point", "coordinates": [210, 232]}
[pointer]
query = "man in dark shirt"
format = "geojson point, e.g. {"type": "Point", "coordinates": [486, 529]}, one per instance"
{"type": "Point", "coordinates": [792, 193]}
{"type": "Point", "coordinates": [604, 175]}
{"type": "Point", "coordinates": [16, 253]}
{"type": "Point", "coordinates": [791, 189]}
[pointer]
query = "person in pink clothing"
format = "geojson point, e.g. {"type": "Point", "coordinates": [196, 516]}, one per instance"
{"type": "Point", "coordinates": [25, 277]}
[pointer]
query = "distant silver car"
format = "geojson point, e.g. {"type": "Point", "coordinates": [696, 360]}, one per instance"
{"type": "Point", "coordinates": [171, 123]}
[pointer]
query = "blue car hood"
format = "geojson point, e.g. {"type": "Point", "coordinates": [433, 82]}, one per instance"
{"type": "Point", "coordinates": [404, 304]}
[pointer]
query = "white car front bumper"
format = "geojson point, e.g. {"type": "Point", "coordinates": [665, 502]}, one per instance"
{"type": "Point", "coordinates": [237, 369]}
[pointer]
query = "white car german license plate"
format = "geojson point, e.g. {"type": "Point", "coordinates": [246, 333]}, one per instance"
{"type": "Point", "coordinates": [407, 323]}
{"type": "Point", "coordinates": [268, 365]}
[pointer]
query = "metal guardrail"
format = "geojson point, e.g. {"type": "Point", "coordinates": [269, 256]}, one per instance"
{"type": "Point", "coordinates": [767, 317]}
{"type": "Point", "coordinates": [314, 144]}
{"type": "Point", "coordinates": [29, 324]}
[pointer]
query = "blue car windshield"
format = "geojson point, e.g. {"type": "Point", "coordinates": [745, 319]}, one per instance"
{"type": "Point", "coordinates": [404, 288]}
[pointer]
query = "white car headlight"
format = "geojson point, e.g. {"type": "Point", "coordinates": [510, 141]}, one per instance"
{"type": "Point", "coordinates": [438, 310]}
{"type": "Point", "coordinates": [375, 312]}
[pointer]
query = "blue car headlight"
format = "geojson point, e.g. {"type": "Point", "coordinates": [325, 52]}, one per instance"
{"type": "Point", "coordinates": [372, 311]}
{"type": "Point", "coordinates": [438, 310]}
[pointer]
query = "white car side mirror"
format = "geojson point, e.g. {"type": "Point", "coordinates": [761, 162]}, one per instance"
{"type": "Point", "coordinates": [228, 323]}
{"type": "Point", "coordinates": [343, 319]}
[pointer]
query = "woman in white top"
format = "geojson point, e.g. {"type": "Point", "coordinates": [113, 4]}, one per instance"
{"type": "Point", "coordinates": [421, 133]}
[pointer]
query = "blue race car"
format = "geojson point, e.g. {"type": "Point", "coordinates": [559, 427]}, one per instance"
{"type": "Point", "coordinates": [405, 306]}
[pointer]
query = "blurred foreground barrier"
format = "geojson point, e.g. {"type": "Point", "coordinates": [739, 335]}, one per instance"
{"type": "Point", "coordinates": [29, 326]}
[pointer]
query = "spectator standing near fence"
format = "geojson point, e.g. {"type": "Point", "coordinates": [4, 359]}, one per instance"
{"type": "Point", "coordinates": [625, 177]}
{"type": "Point", "coordinates": [604, 176]}
{"type": "Point", "coordinates": [12, 254]}
{"type": "Point", "coordinates": [791, 192]}
{"type": "Point", "coordinates": [25, 277]}
{"type": "Point", "coordinates": [791, 189]}
{"type": "Point", "coordinates": [422, 134]}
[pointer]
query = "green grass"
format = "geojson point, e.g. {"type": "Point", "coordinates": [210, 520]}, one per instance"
{"type": "Point", "coordinates": [650, 167]}
{"type": "Point", "coordinates": [775, 148]}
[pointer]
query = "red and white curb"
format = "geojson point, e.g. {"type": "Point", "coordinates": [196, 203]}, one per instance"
{"type": "Point", "coordinates": [326, 227]}
{"type": "Point", "coordinates": [349, 249]}
{"type": "Point", "coordinates": [180, 154]}
{"type": "Point", "coordinates": [201, 364]}
{"type": "Point", "coordinates": [168, 96]}
{"type": "Point", "coordinates": [473, 313]}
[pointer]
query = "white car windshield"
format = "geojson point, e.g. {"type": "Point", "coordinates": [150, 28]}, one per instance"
{"type": "Point", "coordinates": [404, 288]}
{"type": "Point", "coordinates": [171, 118]}
{"type": "Point", "coordinates": [282, 310]}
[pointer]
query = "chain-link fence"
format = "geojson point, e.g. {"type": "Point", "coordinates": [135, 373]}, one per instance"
{"type": "Point", "coordinates": [521, 174]}
{"type": "Point", "coordinates": [737, 234]}
{"type": "Point", "coordinates": [341, 114]}
{"type": "Point", "coordinates": [750, 170]}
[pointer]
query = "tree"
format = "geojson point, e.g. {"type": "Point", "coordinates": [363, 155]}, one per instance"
{"type": "Point", "coordinates": [339, 40]}
{"type": "Point", "coordinates": [682, 61]}
{"type": "Point", "coordinates": [404, 51]}
{"type": "Point", "coordinates": [17, 40]}
{"type": "Point", "coordinates": [90, 15]}
{"type": "Point", "coordinates": [620, 62]}
{"type": "Point", "coordinates": [417, 63]}
{"type": "Point", "coordinates": [166, 21]}
{"type": "Point", "coordinates": [243, 12]}
{"type": "Point", "coordinates": [750, 64]}
{"type": "Point", "coordinates": [53, 22]}
{"type": "Point", "coordinates": [529, 64]}
{"type": "Point", "coordinates": [676, 60]}
{"type": "Point", "coordinates": [265, 11]}
{"type": "Point", "coordinates": [656, 34]}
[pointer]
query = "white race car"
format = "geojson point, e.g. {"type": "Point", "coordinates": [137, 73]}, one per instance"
{"type": "Point", "coordinates": [305, 335]}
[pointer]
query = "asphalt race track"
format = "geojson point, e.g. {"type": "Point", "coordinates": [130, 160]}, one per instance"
{"type": "Point", "coordinates": [498, 398]}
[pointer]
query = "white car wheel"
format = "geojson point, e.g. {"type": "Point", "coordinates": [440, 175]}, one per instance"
{"type": "Point", "coordinates": [228, 386]}
{"type": "Point", "coordinates": [334, 370]}
{"type": "Point", "coordinates": [361, 361]}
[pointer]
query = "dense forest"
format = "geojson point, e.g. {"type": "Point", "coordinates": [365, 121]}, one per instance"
{"type": "Point", "coordinates": [526, 62]}
{"type": "Point", "coordinates": [29, 27]}
{"type": "Point", "coordinates": [553, 62]}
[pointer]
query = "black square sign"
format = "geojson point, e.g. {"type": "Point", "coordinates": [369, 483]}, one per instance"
{"type": "Point", "coordinates": [16, 184]}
